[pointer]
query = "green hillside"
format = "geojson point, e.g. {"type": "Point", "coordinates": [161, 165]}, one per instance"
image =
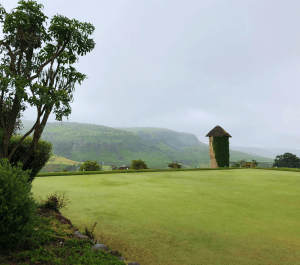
{"type": "Point", "coordinates": [118, 146]}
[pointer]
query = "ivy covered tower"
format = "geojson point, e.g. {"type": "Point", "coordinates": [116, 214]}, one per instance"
{"type": "Point", "coordinates": [218, 147]}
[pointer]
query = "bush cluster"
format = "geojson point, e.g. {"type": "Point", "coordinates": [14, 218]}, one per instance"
{"type": "Point", "coordinates": [36, 161]}
{"type": "Point", "coordinates": [17, 211]}
{"type": "Point", "coordinates": [174, 165]}
{"type": "Point", "coordinates": [138, 164]}
{"type": "Point", "coordinates": [287, 160]}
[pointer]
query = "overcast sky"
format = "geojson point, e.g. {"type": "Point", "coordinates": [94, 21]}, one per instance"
{"type": "Point", "coordinates": [188, 66]}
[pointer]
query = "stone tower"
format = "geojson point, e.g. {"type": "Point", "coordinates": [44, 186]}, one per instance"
{"type": "Point", "coordinates": [215, 132]}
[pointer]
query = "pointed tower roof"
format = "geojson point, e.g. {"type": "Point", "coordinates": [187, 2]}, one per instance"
{"type": "Point", "coordinates": [218, 131]}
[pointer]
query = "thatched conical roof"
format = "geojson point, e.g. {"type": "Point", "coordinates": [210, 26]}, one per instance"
{"type": "Point", "coordinates": [218, 131]}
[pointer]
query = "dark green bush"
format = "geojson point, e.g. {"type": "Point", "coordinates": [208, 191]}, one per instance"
{"type": "Point", "coordinates": [37, 160]}
{"type": "Point", "coordinates": [90, 166]}
{"type": "Point", "coordinates": [174, 165]}
{"type": "Point", "coordinates": [17, 207]}
{"type": "Point", "coordinates": [138, 164]}
{"type": "Point", "coordinates": [287, 160]}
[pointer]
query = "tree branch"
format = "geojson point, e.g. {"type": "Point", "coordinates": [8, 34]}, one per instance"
{"type": "Point", "coordinates": [11, 54]}
{"type": "Point", "coordinates": [37, 134]}
{"type": "Point", "coordinates": [53, 58]}
{"type": "Point", "coordinates": [34, 127]}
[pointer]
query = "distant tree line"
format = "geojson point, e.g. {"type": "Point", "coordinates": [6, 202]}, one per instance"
{"type": "Point", "coordinates": [88, 165]}
{"type": "Point", "coordinates": [287, 160]}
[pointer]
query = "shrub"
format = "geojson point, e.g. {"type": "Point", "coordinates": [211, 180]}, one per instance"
{"type": "Point", "coordinates": [37, 160]}
{"type": "Point", "coordinates": [90, 166]}
{"type": "Point", "coordinates": [138, 164]}
{"type": "Point", "coordinates": [53, 203]}
{"type": "Point", "coordinates": [174, 165]}
{"type": "Point", "coordinates": [17, 208]}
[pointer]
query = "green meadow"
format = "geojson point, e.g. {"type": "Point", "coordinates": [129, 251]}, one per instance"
{"type": "Point", "coordinates": [238, 216]}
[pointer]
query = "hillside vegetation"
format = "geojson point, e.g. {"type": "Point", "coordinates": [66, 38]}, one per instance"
{"type": "Point", "coordinates": [77, 142]}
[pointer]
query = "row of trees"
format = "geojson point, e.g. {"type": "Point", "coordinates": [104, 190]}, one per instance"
{"type": "Point", "coordinates": [286, 160]}
{"type": "Point", "coordinates": [94, 166]}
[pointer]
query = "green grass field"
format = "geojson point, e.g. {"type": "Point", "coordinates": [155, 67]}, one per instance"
{"type": "Point", "coordinates": [247, 216]}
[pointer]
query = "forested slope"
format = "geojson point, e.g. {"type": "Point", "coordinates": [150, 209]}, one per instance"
{"type": "Point", "coordinates": [118, 146]}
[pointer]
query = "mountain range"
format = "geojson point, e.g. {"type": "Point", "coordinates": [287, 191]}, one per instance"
{"type": "Point", "coordinates": [156, 146]}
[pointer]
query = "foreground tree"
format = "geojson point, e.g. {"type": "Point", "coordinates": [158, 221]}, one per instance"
{"type": "Point", "coordinates": [20, 67]}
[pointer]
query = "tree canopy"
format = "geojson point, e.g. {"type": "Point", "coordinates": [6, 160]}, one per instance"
{"type": "Point", "coordinates": [287, 160]}
{"type": "Point", "coordinates": [22, 67]}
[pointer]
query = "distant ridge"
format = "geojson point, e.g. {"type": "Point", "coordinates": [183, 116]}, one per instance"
{"type": "Point", "coordinates": [269, 153]}
{"type": "Point", "coordinates": [120, 145]}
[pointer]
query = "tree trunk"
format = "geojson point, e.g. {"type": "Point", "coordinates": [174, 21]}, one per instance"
{"type": "Point", "coordinates": [8, 128]}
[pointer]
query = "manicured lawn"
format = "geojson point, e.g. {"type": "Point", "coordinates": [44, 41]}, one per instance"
{"type": "Point", "coordinates": [247, 216]}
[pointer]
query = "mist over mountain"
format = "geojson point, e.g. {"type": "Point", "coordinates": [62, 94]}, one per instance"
{"type": "Point", "coordinates": [266, 152]}
{"type": "Point", "coordinates": [119, 146]}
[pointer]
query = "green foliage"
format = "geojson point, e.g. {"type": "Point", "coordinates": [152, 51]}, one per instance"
{"type": "Point", "coordinates": [287, 160]}
{"type": "Point", "coordinates": [53, 203]}
{"type": "Point", "coordinates": [174, 165]}
{"type": "Point", "coordinates": [71, 36]}
{"type": "Point", "coordinates": [221, 150]}
{"type": "Point", "coordinates": [36, 161]}
{"type": "Point", "coordinates": [138, 164]}
{"type": "Point", "coordinates": [17, 209]}
{"type": "Point", "coordinates": [24, 30]}
{"type": "Point", "coordinates": [90, 166]}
